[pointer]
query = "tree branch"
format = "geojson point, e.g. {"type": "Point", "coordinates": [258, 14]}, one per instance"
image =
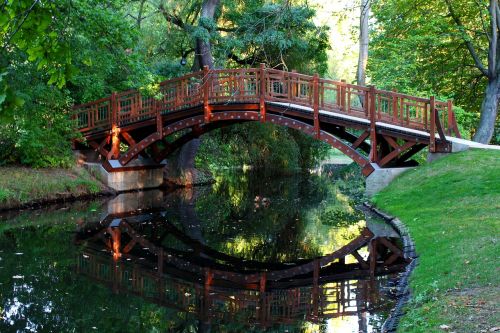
{"type": "Point", "coordinates": [483, 23]}
{"type": "Point", "coordinates": [466, 39]}
{"type": "Point", "coordinates": [170, 18]}
{"type": "Point", "coordinates": [236, 59]}
{"type": "Point", "coordinates": [493, 44]}
{"type": "Point", "coordinates": [226, 29]}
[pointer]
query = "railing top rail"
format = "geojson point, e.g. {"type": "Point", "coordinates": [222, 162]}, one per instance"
{"type": "Point", "coordinates": [416, 115]}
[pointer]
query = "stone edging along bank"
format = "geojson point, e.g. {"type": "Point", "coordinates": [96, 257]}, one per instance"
{"type": "Point", "coordinates": [402, 289]}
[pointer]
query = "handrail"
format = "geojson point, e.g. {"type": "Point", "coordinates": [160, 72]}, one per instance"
{"type": "Point", "coordinates": [265, 85]}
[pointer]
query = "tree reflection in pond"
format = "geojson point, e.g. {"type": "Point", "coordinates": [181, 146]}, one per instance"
{"type": "Point", "coordinates": [302, 217]}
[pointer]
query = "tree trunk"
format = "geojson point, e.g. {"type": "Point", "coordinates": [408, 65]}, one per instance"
{"type": "Point", "coordinates": [187, 154]}
{"type": "Point", "coordinates": [363, 42]}
{"type": "Point", "coordinates": [489, 111]}
{"type": "Point", "coordinates": [203, 47]}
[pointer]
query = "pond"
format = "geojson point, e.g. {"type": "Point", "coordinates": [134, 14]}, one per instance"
{"type": "Point", "coordinates": [95, 266]}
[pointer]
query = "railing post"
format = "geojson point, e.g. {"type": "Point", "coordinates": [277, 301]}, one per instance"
{"type": "Point", "coordinates": [316, 105]}
{"type": "Point", "coordinates": [453, 120]}
{"type": "Point", "coordinates": [262, 92]}
{"type": "Point", "coordinates": [114, 109]}
{"type": "Point", "coordinates": [159, 122]}
{"type": "Point", "coordinates": [206, 292]}
{"type": "Point", "coordinates": [373, 129]}
{"type": "Point", "coordinates": [432, 143]}
{"type": "Point", "coordinates": [394, 105]}
{"type": "Point", "coordinates": [315, 291]}
{"type": "Point", "coordinates": [451, 124]}
{"type": "Point", "coordinates": [373, 257]}
{"type": "Point", "coordinates": [206, 90]}
{"type": "Point", "coordinates": [342, 96]}
{"type": "Point", "coordinates": [294, 83]}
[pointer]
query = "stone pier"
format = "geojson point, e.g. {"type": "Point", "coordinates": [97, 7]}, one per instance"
{"type": "Point", "coordinates": [137, 175]}
{"type": "Point", "coordinates": [380, 178]}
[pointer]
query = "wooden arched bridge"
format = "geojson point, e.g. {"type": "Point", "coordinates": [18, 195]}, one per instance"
{"type": "Point", "coordinates": [367, 124]}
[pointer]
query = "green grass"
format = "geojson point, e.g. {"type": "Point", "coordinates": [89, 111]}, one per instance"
{"type": "Point", "coordinates": [21, 185]}
{"type": "Point", "coordinates": [452, 209]}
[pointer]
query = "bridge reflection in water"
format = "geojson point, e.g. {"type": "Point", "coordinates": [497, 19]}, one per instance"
{"type": "Point", "coordinates": [126, 252]}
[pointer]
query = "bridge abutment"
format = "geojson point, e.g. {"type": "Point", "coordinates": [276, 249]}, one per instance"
{"type": "Point", "coordinates": [137, 175]}
{"type": "Point", "coordinates": [380, 178]}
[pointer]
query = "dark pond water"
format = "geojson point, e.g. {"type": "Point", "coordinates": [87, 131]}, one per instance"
{"type": "Point", "coordinates": [95, 266]}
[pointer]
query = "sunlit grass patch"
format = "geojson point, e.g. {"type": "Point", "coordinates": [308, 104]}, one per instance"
{"type": "Point", "coordinates": [452, 208]}
{"type": "Point", "coordinates": [20, 185]}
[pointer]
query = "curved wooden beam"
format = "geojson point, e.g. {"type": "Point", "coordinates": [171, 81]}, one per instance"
{"type": "Point", "coordinates": [238, 116]}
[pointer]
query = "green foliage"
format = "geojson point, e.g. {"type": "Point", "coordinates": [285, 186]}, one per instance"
{"type": "Point", "coordinates": [417, 48]}
{"type": "Point", "coordinates": [40, 132]}
{"type": "Point", "coordinates": [279, 34]}
{"type": "Point", "coordinates": [108, 59]}
{"type": "Point", "coordinates": [259, 145]}
{"type": "Point", "coordinates": [31, 27]}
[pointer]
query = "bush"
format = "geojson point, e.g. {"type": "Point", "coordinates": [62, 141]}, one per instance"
{"type": "Point", "coordinates": [39, 133]}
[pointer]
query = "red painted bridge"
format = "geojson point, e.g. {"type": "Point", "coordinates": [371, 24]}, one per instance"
{"type": "Point", "coordinates": [368, 125]}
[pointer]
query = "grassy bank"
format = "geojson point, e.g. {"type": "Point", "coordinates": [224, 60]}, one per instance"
{"type": "Point", "coordinates": [452, 209]}
{"type": "Point", "coordinates": [20, 186]}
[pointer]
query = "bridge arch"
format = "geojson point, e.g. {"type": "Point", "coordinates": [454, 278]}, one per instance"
{"type": "Point", "coordinates": [245, 116]}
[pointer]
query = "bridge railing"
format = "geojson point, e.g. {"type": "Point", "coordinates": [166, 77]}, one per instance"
{"type": "Point", "coordinates": [264, 85]}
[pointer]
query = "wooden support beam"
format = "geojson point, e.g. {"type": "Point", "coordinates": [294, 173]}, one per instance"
{"type": "Point", "coordinates": [413, 150]}
{"type": "Point", "coordinates": [360, 139]}
{"type": "Point", "coordinates": [392, 258]}
{"type": "Point", "coordinates": [391, 246]}
{"type": "Point", "coordinates": [360, 260]}
{"type": "Point", "coordinates": [130, 140]}
{"type": "Point", "coordinates": [392, 155]}
{"type": "Point", "coordinates": [439, 127]}
{"type": "Point", "coordinates": [100, 147]}
{"type": "Point", "coordinates": [129, 246]}
{"type": "Point", "coordinates": [391, 141]}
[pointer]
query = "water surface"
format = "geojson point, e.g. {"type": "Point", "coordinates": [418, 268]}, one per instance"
{"type": "Point", "coordinates": [59, 272]}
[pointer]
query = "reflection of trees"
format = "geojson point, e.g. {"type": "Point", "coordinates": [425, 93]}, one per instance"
{"type": "Point", "coordinates": [46, 295]}
{"type": "Point", "coordinates": [285, 230]}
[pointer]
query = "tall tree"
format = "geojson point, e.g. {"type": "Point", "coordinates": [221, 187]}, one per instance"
{"type": "Point", "coordinates": [447, 48]}
{"type": "Point", "coordinates": [203, 45]}
{"type": "Point", "coordinates": [489, 31]}
{"type": "Point", "coordinates": [363, 41]}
